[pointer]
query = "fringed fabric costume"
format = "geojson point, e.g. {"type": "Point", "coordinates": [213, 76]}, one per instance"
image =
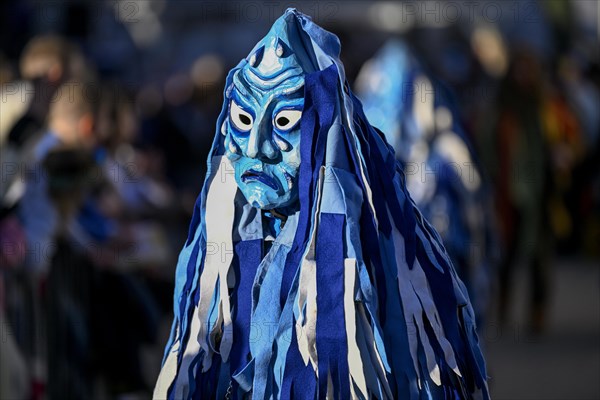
{"type": "Point", "coordinates": [319, 279]}
{"type": "Point", "coordinates": [444, 177]}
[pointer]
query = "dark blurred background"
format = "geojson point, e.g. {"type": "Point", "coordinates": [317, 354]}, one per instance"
{"type": "Point", "coordinates": [108, 110]}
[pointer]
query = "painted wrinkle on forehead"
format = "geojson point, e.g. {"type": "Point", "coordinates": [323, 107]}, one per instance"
{"type": "Point", "coordinates": [261, 96]}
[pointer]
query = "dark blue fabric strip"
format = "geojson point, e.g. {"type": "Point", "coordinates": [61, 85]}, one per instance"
{"type": "Point", "coordinates": [445, 301]}
{"type": "Point", "coordinates": [399, 204]}
{"type": "Point", "coordinates": [385, 168]}
{"type": "Point", "coordinates": [247, 256]}
{"type": "Point", "coordinates": [207, 383]}
{"type": "Point", "coordinates": [299, 380]}
{"type": "Point", "coordinates": [396, 331]}
{"type": "Point", "coordinates": [332, 345]}
{"type": "Point", "coordinates": [191, 270]}
{"type": "Point", "coordinates": [195, 223]}
{"type": "Point", "coordinates": [372, 258]}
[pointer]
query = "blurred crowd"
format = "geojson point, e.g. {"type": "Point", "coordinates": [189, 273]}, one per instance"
{"type": "Point", "coordinates": [108, 111]}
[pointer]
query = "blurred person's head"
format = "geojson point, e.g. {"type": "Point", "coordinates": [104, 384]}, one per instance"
{"type": "Point", "coordinates": [72, 115]}
{"type": "Point", "coordinates": [522, 85]}
{"type": "Point", "coordinates": [525, 70]}
{"type": "Point", "coordinates": [70, 177]}
{"type": "Point", "coordinates": [46, 57]}
{"type": "Point", "coordinates": [51, 60]}
{"type": "Point", "coordinates": [116, 123]}
{"type": "Point", "coordinates": [47, 62]}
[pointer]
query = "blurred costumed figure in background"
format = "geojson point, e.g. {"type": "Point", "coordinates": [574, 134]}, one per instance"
{"type": "Point", "coordinates": [309, 271]}
{"type": "Point", "coordinates": [443, 176]}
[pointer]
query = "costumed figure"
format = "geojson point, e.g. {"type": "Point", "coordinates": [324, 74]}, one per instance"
{"type": "Point", "coordinates": [308, 271]}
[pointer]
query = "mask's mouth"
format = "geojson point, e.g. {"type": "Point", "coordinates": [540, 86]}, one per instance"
{"type": "Point", "coordinates": [258, 176]}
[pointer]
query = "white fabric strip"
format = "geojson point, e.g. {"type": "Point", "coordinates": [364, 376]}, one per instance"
{"type": "Point", "coordinates": [168, 372]}
{"type": "Point", "coordinates": [219, 216]}
{"type": "Point", "coordinates": [191, 350]}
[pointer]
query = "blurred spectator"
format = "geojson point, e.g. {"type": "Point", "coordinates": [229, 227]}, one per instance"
{"type": "Point", "coordinates": [120, 217]}
{"type": "Point", "coordinates": [68, 288]}
{"type": "Point", "coordinates": [70, 125]}
{"type": "Point", "coordinates": [536, 147]}
{"type": "Point", "coordinates": [46, 62]}
{"type": "Point", "coordinates": [582, 94]}
{"type": "Point", "coordinates": [566, 145]}
{"type": "Point", "coordinates": [135, 176]}
{"type": "Point", "coordinates": [521, 174]}
{"type": "Point", "coordinates": [83, 245]}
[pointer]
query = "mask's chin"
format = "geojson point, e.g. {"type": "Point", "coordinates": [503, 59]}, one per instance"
{"type": "Point", "coordinates": [265, 198]}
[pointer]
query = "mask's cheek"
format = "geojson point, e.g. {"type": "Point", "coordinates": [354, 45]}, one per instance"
{"type": "Point", "coordinates": [233, 147]}
{"type": "Point", "coordinates": [291, 161]}
{"type": "Point", "coordinates": [294, 141]}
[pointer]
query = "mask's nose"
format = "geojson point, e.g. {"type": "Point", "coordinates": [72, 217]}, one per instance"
{"type": "Point", "coordinates": [260, 142]}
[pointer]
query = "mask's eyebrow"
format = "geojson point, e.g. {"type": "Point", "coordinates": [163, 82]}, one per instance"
{"type": "Point", "coordinates": [293, 99]}
{"type": "Point", "coordinates": [242, 86]}
{"type": "Point", "coordinates": [292, 86]}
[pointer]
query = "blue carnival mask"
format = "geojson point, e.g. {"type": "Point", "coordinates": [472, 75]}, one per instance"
{"type": "Point", "coordinates": [262, 128]}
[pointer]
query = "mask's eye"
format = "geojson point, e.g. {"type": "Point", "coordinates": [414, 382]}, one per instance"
{"type": "Point", "coordinates": [241, 119]}
{"type": "Point", "coordinates": [287, 119]}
